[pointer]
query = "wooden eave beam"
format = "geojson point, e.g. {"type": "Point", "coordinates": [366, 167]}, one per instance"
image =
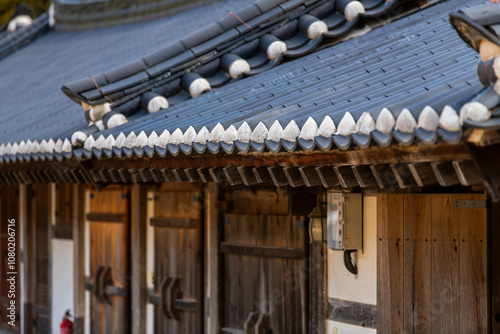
{"type": "Point", "coordinates": [375, 155]}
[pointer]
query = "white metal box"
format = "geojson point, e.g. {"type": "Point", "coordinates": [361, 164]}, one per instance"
{"type": "Point", "coordinates": [345, 221]}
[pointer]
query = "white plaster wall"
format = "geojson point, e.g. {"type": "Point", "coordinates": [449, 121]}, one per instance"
{"type": "Point", "coordinates": [62, 280]}
{"type": "Point", "coordinates": [344, 285]}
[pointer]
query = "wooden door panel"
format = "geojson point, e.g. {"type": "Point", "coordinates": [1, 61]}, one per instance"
{"type": "Point", "coordinates": [259, 278]}
{"type": "Point", "coordinates": [178, 256]}
{"type": "Point", "coordinates": [109, 252]}
{"type": "Point", "coordinates": [444, 272]}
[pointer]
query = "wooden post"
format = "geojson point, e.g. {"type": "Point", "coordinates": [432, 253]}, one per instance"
{"type": "Point", "coordinates": [212, 269]}
{"type": "Point", "coordinates": [24, 232]}
{"type": "Point", "coordinates": [318, 305]}
{"type": "Point", "coordinates": [138, 257]}
{"type": "Point", "coordinates": [29, 261]}
{"type": "Point", "coordinates": [494, 243]}
{"type": "Point", "coordinates": [78, 258]}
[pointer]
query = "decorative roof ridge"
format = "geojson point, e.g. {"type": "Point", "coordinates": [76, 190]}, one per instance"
{"type": "Point", "coordinates": [479, 27]}
{"type": "Point", "coordinates": [13, 41]}
{"type": "Point", "coordinates": [247, 42]}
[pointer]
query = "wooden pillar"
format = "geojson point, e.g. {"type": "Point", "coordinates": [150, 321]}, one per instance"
{"type": "Point", "coordinates": [212, 260]}
{"type": "Point", "coordinates": [24, 232]}
{"type": "Point", "coordinates": [139, 215]}
{"type": "Point", "coordinates": [29, 260]}
{"type": "Point", "coordinates": [78, 258]}
{"type": "Point", "coordinates": [318, 306]}
{"type": "Point", "coordinates": [494, 243]}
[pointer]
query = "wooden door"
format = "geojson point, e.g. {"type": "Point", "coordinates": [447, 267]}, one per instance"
{"type": "Point", "coordinates": [432, 263]}
{"type": "Point", "coordinates": [178, 255]}
{"type": "Point", "coordinates": [9, 209]}
{"type": "Point", "coordinates": [265, 274]}
{"type": "Point", "coordinates": [109, 281]}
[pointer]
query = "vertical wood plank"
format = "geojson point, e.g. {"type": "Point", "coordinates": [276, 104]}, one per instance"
{"type": "Point", "coordinates": [317, 289]}
{"type": "Point", "coordinates": [417, 263]}
{"type": "Point", "coordinates": [445, 304]}
{"type": "Point", "coordinates": [390, 263]}
{"type": "Point", "coordinates": [473, 287]}
{"type": "Point", "coordinates": [494, 222]}
{"type": "Point", "coordinates": [212, 324]}
{"type": "Point", "coordinates": [390, 216]}
{"type": "Point", "coordinates": [139, 258]}
{"type": "Point", "coordinates": [78, 256]}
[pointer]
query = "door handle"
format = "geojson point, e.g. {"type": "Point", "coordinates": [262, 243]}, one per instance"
{"type": "Point", "coordinates": [103, 286]}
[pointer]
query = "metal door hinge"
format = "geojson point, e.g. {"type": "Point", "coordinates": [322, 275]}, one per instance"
{"type": "Point", "coordinates": [470, 204]}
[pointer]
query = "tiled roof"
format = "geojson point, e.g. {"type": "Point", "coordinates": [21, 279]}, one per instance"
{"type": "Point", "coordinates": [13, 41]}
{"type": "Point", "coordinates": [404, 82]}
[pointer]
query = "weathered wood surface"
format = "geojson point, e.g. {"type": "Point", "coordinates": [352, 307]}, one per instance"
{"type": "Point", "coordinates": [318, 284]}
{"type": "Point", "coordinates": [178, 254]}
{"type": "Point", "coordinates": [213, 218]}
{"type": "Point", "coordinates": [42, 221]}
{"type": "Point", "coordinates": [390, 259]}
{"type": "Point", "coordinates": [444, 271]}
{"type": "Point", "coordinates": [79, 308]}
{"type": "Point", "coordinates": [273, 286]}
{"type": "Point", "coordinates": [494, 222]}
{"type": "Point", "coordinates": [110, 247]}
{"type": "Point", "coordinates": [417, 289]}
{"type": "Point", "coordinates": [354, 313]}
{"type": "Point", "coordinates": [139, 221]}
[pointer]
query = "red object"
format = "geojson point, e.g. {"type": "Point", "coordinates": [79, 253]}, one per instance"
{"type": "Point", "coordinates": [66, 326]}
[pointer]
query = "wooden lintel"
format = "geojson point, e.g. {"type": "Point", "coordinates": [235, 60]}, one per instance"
{"type": "Point", "coordinates": [106, 217]}
{"type": "Point", "coordinates": [364, 175]}
{"type": "Point", "coordinates": [262, 174]}
{"type": "Point", "coordinates": [247, 175]}
{"type": "Point", "coordinates": [175, 222]}
{"type": "Point", "coordinates": [346, 176]}
{"type": "Point", "coordinates": [278, 176]}
{"type": "Point", "coordinates": [294, 177]}
{"type": "Point", "coordinates": [445, 173]}
{"type": "Point", "coordinates": [192, 174]}
{"type": "Point", "coordinates": [327, 176]}
{"type": "Point", "coordinates": [467, 172]}
{"type": "Point", "coordinates": [232, 175]}
{"type": "Point", "coordinates": [423, 174]}
{"type": "Point", "coordinates": [403, 175]}
{"type": "Point", "coordinates": [262, 251]}
{"type": "Point", "coordinates": [310, 176]}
